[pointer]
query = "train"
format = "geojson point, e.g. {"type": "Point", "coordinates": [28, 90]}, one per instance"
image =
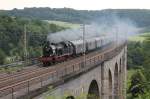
{"type": "Point", "coordinates": [58, 52]}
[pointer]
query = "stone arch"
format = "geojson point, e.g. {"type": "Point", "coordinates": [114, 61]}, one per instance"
{"type": "Point", "coordinates": [70, 97]}
{"type": "Point", "coordinates": [120, 79]}
{"type": "Point", "coordinates": [110, 84]}
{"type": "Point", "coordinates": [120, 65]}
{"type": "Point", "coordinates": [116, 82]}
{"type": "Point", "coordinates": [93, 92]}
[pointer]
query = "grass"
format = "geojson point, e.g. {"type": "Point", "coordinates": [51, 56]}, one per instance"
{"type": "Point", "coordinates": [13, 68]}
{"type": "Point", "coordinates": [139, 37]}
{"type": "Point", "coordinates": [10, 69]}
{"type": "Point", "coordinates": [64, 24]}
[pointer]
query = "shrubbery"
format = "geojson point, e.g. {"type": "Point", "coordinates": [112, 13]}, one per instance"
{"type": "Point", "coordinates": [139, 60]}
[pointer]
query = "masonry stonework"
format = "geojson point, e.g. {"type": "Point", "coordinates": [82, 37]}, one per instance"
{"type": "Point", "coordinates": [107, 81]}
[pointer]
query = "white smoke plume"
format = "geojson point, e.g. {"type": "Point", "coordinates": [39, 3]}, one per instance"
{"type": "Point", "coordinates": [114, 27]}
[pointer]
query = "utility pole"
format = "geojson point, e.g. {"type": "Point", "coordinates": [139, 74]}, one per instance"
{"type": "Point", "coordinates": [126, 37]}
{"type": "Point", "coordinates": [116, 36]}
{"type": "Point", "coordinates": [25, 46]}
{"type": "Point", "coordinates": [83, 26]}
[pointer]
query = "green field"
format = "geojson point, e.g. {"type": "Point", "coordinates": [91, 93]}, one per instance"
{"type": "Point", "coordinates": [64, 24]}
{"type": "Point", "coordinates": [139, 37]}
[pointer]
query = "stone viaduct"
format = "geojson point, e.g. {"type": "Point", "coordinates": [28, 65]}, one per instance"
{"type": "Point", "coordinates": [105, 81]}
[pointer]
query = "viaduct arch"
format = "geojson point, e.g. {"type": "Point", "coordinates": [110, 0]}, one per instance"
{"type": "Point", "coordinates": [93, 92]}
{"type": "Point", "coordinates": [110, 84]}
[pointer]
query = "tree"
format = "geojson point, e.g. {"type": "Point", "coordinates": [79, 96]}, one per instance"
{"type": "Point", "coordinates": [135, 55]}
{"type": "Point", "coordinates": [136, 88]}
{"type": "Point", "coordinates": [12, 32]}
{"type": "Point", "coordinates": [2, 57]}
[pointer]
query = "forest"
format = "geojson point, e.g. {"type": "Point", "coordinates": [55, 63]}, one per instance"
{"type": "Point", "coordinates": [139, 16]}
{"type": "Point", "coordinates": [139, 69]}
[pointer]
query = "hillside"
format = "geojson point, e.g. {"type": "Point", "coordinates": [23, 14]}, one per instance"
{"type": "Point", "coordinates": [139, 16]}
{"type": "Point", "coordinates": [138, 63]}
{"type": "Point", "coordinates": [12, 37]}
{"type": "Point", "coordinates": [12, 24]}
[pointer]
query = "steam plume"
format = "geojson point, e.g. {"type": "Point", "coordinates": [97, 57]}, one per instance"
{"type": "Point", "coordinates": [114, 26]}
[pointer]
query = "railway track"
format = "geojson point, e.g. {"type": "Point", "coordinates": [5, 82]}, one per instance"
{"type": "Point", "coordinates": [5, 76]}
{"type": "Point", "coordinates": [21, 77]}
{"type": "Point", "coordinates": [39, 71]}
{"type": "Point", "coordinates": [17, 79]}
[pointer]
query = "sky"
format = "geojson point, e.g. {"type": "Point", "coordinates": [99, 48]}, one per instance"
{"type": "Point", "coordinates": [76, 4]}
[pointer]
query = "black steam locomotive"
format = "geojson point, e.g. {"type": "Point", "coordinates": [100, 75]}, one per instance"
{"type": "Point", "coordinates": [58, 52]}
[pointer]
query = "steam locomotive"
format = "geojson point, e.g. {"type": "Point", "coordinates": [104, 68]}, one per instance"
{"type": "Point", "coordinates": [58, 52]}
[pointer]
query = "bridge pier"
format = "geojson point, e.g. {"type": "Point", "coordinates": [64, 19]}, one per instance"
{"type": "Point", "coordinates": [106, 80]}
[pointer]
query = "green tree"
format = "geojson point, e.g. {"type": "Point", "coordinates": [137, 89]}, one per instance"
{"type": "Point", "coordinates": [2, 57]}
{"type": "Point", "coordinates": [12, 32]}
{"type": "Point", "coordinates": [136, 88]}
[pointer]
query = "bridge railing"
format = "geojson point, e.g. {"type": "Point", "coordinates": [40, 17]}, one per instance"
{"type": "Point", "coordinates": [51, 78]}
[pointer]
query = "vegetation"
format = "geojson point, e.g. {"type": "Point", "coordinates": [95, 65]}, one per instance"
{"type": "Point", "coordinates": [13, 22]}
{"type": "Point", "coordinates": [12, 37]}
{"type": "Point", "coordinates": [139, 68]}
{"type": "Point", "coordinates": [64, 24]}
{"type": "Point", "coordinates": [11, 69]}
{"type": "Point", "coordinates": [139, 16]}
{"type": "Point", "coordinates": [139, 37]}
